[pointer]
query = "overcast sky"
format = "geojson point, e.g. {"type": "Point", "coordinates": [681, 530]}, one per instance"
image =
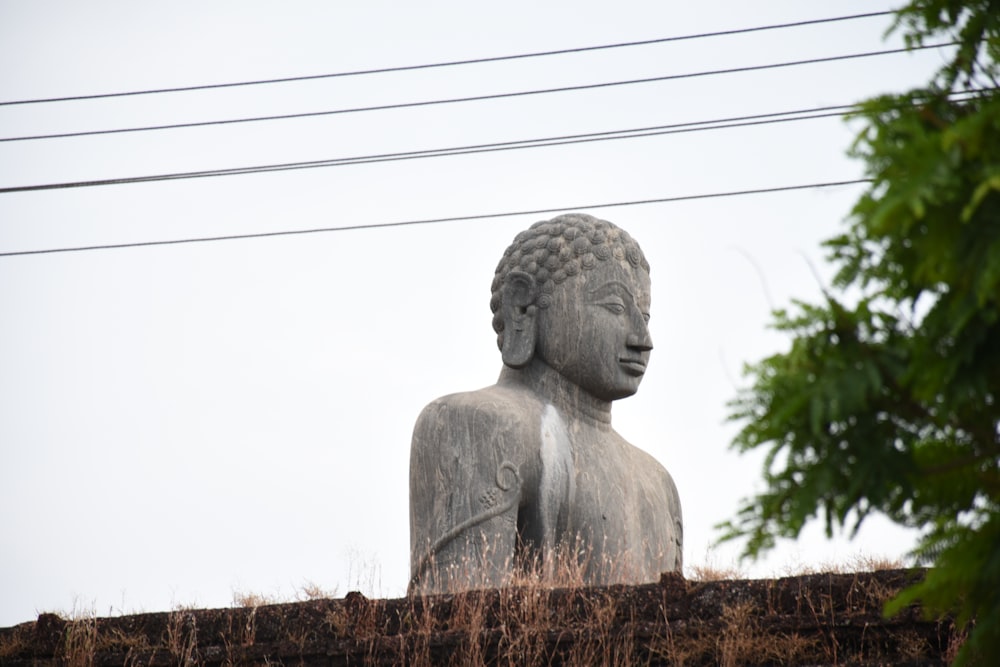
{"type": "Point", "coordinates": [182, 422]}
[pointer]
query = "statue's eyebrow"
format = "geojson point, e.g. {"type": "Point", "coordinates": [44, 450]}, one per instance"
{"type": "Point", "coordinates": [607, 287]}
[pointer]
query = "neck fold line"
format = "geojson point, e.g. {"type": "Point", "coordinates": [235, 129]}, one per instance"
{"type": "Point", "coordinates": [567, 397]}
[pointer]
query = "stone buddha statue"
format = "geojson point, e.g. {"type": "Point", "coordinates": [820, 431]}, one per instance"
{"type": "Point", "coordinates": [529, 471]}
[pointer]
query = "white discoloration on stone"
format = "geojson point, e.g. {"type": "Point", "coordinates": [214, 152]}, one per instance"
{"type": "Point", "coordinates": [557, 480]}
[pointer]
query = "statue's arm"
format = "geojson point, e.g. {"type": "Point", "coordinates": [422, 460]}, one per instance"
{"type": "Point", "coordinates": [465, 489]}
{"type": "Point", "coordinates": [674, 499]}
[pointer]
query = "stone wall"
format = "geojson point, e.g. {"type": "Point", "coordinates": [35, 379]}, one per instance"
{"type": "Point", "coordinates": [821, 619]}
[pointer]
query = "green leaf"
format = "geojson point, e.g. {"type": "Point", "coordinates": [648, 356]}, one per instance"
{"type": "Point", "coordinates": [888, 400]}
{"type": "Point", "coordinates": [992, 183]}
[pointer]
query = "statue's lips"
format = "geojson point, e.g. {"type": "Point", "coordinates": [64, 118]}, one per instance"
{"type": "Point", "coordinates": [633, 366]}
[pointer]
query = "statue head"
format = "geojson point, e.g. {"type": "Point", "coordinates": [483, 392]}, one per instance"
{"type": "Point", "coordinates": [573, 292]}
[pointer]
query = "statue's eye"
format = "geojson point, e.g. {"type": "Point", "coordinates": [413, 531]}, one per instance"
{"type": "Point", "coordinates": [615, 307]}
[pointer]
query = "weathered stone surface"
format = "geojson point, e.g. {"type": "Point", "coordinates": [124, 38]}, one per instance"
{"type": "Point", "coordinates": [529, 472]}
{"type": "Point", "coordinates": [823, 619]}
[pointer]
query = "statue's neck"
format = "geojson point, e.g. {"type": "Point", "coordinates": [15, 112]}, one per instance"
{"type": "Point", "coordinates": [553, 388]}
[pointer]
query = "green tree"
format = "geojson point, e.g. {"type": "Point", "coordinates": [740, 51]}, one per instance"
{"type": "Point", "coordinates": [888, 399]}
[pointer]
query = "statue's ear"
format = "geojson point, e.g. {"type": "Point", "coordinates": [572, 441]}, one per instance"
{"type": "Point", "coordinates": [520, 322]}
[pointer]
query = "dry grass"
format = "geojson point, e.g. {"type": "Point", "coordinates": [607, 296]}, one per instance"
{"type": "Point", "coordinates": [544, 616]}
{"type": "Point", "coordinates": [181, 637]}
{"type": "Point", "coordinates": [18, 641]}
{"type": "Point", "coordinates": [542, 613]}
{"type": "Point", "coordinates": [743, 642]}
{"type": "Point", "coordinates": [956, 640]}
{"type": "Point", "coordinates": [715, 573]}
{"type": "Point", "coordinates": [312, 591]}
{"type": "Point", "coordinates": [710, 570]}
{"type": "Point", "coordinates": [738, 639]}
{"type": "Point", "coordinates": [254, 600]}
{"type": "Point", "coordinates": [857, 563]}
{"type": "Point", "coordinates": [81, 639]}
{"type": "Point", "coordinates": [81, 642]}
{"type": "Point", "coordinates": [874, 563]}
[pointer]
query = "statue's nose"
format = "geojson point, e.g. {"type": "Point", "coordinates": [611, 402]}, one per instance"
{"type": "Point", "coordinates": [640, 338]}
{"type": "Point", "coordinates": [639, 342]}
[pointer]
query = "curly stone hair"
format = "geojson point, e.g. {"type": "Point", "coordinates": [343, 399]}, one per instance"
{"type": "Point", "coordinates": [553, 250]}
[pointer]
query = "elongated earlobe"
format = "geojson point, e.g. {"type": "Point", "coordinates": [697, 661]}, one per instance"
{"type": "Point", "coordinates": [519, 319]}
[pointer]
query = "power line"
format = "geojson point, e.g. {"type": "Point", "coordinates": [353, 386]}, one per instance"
{"type": "Point", "coordinates": [428, 221]}
{"type": "Point", "coordinates": [478, 98]}
{"type": "Point", "coordinates": [452, 63]}
{"type": "Point", "coordinates": [544, 142]}
{"type": "Point", "coordinates": [541, 142]}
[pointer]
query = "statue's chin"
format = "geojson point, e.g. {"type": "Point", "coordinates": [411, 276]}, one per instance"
{"type": "Point", "coordinates": [621, 394]}
{"type": "Point", "coordinates": [616, 392]}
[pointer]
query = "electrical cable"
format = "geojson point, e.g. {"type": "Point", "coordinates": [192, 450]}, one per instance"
{"type": "Point", "coordinates": [473, 61]}
{"type": "Point", "coordinates": [610, 135]}
{"type": "Point", "coordinates": [478, 98]}
{"type": "Point", "coordinates": [428, 221]}
{"type": "Point", "coordinates": [544, 142]}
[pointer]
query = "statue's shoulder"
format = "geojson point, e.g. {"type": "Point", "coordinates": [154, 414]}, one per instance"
{"type": "Point", "coordinates": [494, 414]}
{"type": "Point", "coordinates": [646, 462]}
{"type": "Point", "coordinates": [500, 402]}
{"type": "Point", "coordinates": [495, 419]}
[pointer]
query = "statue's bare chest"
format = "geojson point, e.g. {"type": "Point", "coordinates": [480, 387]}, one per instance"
{"type": "Point", "coordinates": [594, 493]}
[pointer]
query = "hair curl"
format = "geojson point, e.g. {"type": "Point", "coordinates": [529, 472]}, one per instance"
{"type": "Point", "coordinates": [551, 251]}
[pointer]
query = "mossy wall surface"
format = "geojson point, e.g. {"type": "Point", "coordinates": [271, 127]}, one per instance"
{"type": "Point", "coordinates": [820, 619]}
